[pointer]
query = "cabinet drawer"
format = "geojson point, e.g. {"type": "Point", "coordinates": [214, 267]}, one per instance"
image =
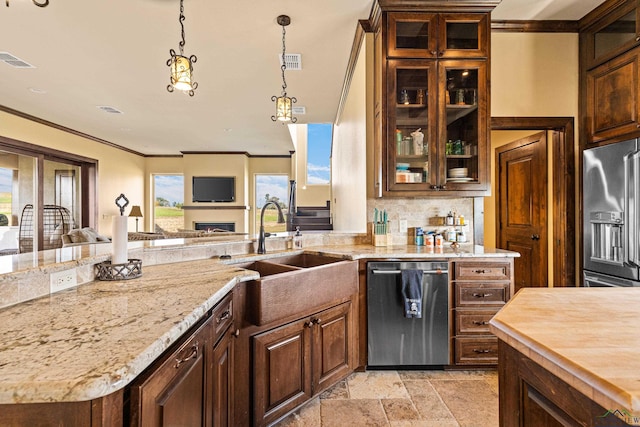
{"type": "Point", "coordinates": [222, 316]}
{"type": "Point", "coordinates": [482, 271]}
{"type": "Point", "coordinates": [473, 322]}
{"type": "Point", "coordinates": [476, 351]}
{"type": "Point", "coordinates": [481, 294]}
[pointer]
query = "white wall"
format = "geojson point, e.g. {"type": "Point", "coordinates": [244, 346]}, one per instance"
{"type": "Point", "coordinates": [349, 153]}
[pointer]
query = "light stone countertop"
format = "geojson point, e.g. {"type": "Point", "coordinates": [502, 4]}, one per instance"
{"type": "Point", "coordinates": [588, 337]}
{"type": "Point", "coordinates": [89, 341]}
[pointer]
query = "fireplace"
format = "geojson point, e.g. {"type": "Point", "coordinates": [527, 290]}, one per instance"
{"type": "Point", "coordinates": [215, 226]}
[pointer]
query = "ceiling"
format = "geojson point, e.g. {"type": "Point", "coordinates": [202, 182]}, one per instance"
{"type": "Point", "coordinates": [89, 53]}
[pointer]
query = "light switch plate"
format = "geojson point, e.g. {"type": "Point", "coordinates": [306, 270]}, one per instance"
{"type": "Point", "coordinates": [403, 226]}
{"type": "Point", "coordinates": [61, 280]}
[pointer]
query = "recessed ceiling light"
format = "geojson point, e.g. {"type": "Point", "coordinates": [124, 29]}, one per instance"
{"type": "Point", "coordinates": [36, 90]}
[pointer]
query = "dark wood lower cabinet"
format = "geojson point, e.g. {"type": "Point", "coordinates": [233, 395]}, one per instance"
{"type": "Point", "coordinates": [294, 362]}
{"type": "Point", "coordinates": [531, 396]}
{"type": "Point", "coordinates": [191, 385]}
{"type": "Point", "coordinates": [222, 373]}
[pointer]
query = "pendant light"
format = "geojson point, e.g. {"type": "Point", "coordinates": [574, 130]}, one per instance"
{"type": "Point", "coordinates": [181, 66]}
{"type": "Point", "coordinates": [284, 104]}
{"type": "Point", "coordinates": [44, 3]}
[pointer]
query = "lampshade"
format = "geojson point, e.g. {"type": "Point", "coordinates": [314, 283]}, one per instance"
{"type": "Point", "coordinates": [283, 108]}
{"type": "Point", "coordinates": [181, 70]}
{"type": "Point", "coordinates": [135, 211]}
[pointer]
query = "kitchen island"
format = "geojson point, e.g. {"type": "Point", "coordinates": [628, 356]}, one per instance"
{"type": "Point", "coordinates": [569, 356]}
{"type": "Point", "coordinates": [84, 346]}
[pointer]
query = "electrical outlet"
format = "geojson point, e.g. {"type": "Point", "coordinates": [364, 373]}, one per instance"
{"type": "Point", "coordinates": [61, 280]}
{"type": "Point", "coordinates": [403, 226]}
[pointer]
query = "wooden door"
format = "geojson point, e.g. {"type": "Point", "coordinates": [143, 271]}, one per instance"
{"type": "Point", "coordinates": [222, 382]}
{"type": "Point", "coordinates": [332, 338]}
{"type": "Point", "coordinates": [521, 207]}
{"type": "Point", "coordinates": [281, 370]}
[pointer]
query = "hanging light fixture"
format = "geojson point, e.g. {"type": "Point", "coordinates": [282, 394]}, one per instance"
{"type": "Point", "coordinates": [284, 104]}
{"type": "Point", "coordinates": [44, 3]}
{"type": "Point", "coordinates": [181, 66]}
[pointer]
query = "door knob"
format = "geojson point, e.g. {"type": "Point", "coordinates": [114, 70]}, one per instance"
{"type": "Point", "coordinates": [535, 237]}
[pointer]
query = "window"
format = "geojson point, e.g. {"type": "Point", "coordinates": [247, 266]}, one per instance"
{"type": "Point", "coordinates": [169, 198]}
{"type": "Point", "coordinates": [319, 153]}
{"type": "Point", "coordinates": [274, 188]}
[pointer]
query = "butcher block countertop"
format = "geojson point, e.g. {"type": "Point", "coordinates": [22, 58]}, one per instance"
{"type": "Point", "coordinates": [588, 337]}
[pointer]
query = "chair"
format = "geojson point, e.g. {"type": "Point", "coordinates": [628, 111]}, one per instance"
{"type": "Point", "coordinates": [56, 222]}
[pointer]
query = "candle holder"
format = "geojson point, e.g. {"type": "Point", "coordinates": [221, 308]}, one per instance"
{"type": "Point", "coordinates": [126, 271]}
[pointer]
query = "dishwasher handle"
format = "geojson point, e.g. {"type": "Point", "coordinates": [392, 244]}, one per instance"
{"type": "Point", "coordinates": [438, 271]}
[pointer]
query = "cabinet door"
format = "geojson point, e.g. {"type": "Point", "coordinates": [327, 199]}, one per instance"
{"type": "Point", "coordinates": [281, 370]}
{"type": "Point", "coordinates": [222, 380]}
{"type": "Point", "coordinates": [410, 125]}
{"type": "Point", "coordinates": [463, 125]}
{"type": "Point", "coordinates": [174, 393]}
{"type": "Point", "coordinates": [612, 98]}
{"type": "Point", "coordinates": [333, 337]}
{"type": "Point", "coordinates": [612, 34]}
{"type": "Point", "coordinates": [463, 35]}
{"type": "Point", "coordinates": [411, 35]}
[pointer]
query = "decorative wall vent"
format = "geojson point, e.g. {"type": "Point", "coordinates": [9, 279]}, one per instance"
{"type": "Point", "coordinates": [299, 110]}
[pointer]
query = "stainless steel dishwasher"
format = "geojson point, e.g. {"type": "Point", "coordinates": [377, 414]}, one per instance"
{"type": "Point", "coordinates": [393, 339]}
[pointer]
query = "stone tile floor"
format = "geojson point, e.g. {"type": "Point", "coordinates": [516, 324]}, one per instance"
{"type": "Point", "coordinates": [404, 399]}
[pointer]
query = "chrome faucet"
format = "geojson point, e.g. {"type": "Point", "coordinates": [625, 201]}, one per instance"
{"type": "Point", "coordinates": [261, 249]}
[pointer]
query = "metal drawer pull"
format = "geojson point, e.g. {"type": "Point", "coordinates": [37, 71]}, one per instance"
{"type": "Point", "coordinates": [479, 271]}
{"type": "Point", "coordinates": [481, 351]}
{"type": "Point", "coordinates": [480, 323]}
{"type": "Point", "coordinates": [192, 355]}
{"type": "Point", "coordinates": [439, 271]}
{"type": "Point", "coordinates": [224, 316]}
{"type": "Point", "coordinates": [477, 295]}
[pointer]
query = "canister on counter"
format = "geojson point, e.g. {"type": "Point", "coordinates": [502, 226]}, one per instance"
{"type": "Point", "coordinates": [418, 236]}
{"type": "Point", "coordinates": [439, 241]}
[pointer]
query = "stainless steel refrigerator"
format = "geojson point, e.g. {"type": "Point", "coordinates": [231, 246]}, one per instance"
{"type": "Point", "coordinates": [611, 190]}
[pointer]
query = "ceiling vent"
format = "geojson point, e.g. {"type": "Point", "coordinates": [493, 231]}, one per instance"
{"type": "Point", "coordinates": [9, 59]}
{"type": "Point", "coordinates": [108, 109]}
{"type": "Point", "coordinates": [299, 110]}
{"type": "Point", "coordinates": [293, 61]}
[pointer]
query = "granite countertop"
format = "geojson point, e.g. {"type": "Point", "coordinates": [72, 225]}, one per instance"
{"type": "Point", "coordinates": [89, 341]}
{"type": "Point", "coordinates": [355, 252]}
{"type": "Point", "coordinates": [588, 337]}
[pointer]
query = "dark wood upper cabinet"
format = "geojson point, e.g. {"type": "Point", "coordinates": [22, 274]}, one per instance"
{"type": "Point", "coordinates": [610, 73]}
{"type": "Point", "coordinates": [609, 31]}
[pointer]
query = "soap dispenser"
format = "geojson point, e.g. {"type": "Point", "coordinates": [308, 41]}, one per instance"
{"type": "Point", "coordinates": [297, 239]}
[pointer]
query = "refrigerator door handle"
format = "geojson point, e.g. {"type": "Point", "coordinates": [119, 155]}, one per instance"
{"type": "Point", "coordinates": [631, 208]}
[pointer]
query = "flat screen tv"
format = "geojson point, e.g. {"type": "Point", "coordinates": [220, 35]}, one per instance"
{"type": "Point", "coordinates": [214, 189]}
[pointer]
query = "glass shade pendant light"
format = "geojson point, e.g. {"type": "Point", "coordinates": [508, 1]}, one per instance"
{"type": "Point", "coordinates": [284, 103]}
{"type": "Point", "coordinates": [181, 67]}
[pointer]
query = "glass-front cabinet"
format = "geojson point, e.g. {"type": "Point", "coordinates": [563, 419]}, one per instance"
{"type": "Point", "coordinates": [435, 109]}
{"type": "Point", "coordinates": [426, 35]}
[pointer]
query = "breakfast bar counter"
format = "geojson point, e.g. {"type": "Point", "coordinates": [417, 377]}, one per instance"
{"type": "Point", "coordinates": [580, 343]}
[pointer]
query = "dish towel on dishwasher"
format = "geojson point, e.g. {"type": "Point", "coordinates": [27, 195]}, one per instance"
{"type": "Point", "coordinates": [412, 293]}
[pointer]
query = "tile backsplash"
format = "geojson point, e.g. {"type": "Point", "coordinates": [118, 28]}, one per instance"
{"type": "Point", "coordinates": [421, 213]}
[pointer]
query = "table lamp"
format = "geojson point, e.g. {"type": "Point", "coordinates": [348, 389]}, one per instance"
{"type": "Point", "coordinates": [137, 213]}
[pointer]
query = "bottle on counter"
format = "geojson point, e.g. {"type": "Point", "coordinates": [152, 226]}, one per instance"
{"type": "Point", "coordinates": [449, 219]}
{"type": "Point", "coordinates": [451, 235]}
{"type": "Point", "coordinates": [297, 239]}
{"type": "Point", "coordinates": [462, 236]}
